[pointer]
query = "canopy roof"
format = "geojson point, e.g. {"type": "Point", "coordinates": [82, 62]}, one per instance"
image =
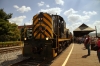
{"type": "Point", "coordinates": [83, 30]}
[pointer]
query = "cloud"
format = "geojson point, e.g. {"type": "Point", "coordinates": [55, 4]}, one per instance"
{"type": "Point", "coordinates": [60, 2]}
{"type": "Point", "coordinates": [47, 6]}
{"type": "Point", "coordinates": [15, 6]}
{"type": "Point", "coordinates": [69, 12]}
{"type": "Point", "coordinates": [74, 18]}
{"type": "Point", "coordinates": [77, 24]}
{"type": "Point", "coordinates": [97, 24]}
{"type": "Point", "coordinates": [17, 20]}
{"type": "Point", "coordinates": [85, 18]}
{"type": "Point", "coordinates": [28, 22]}
{"type": "Point", "coordinates": [56, 10]}
{"type": "Point", "coordinates": [73, 15]}
{"type": "Point", "coordinates": [71, 28]}
{"type": "Point", "coordinates": [22, 9]}
{"type": "Point", "coordinates": [90, 13]}
{"type": "Point", "coordinates": [78, 18]}
{"type": "Point", "coordinates": [41, 3]}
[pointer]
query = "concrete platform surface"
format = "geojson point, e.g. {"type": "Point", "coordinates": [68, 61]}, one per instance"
{"type": "Point", "coordinates": [76, 55]}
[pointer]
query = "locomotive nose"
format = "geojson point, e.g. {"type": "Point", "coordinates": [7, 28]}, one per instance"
{"type": "Point", "coordinates": [42, 28]}
{"type": "Point", "coordinates": [40, 15]}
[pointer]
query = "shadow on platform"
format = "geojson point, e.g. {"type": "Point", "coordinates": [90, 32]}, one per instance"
{"type": "Point", "coordinates": [85, 56]}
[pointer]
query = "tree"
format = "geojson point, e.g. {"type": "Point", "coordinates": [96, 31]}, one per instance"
{"type": "Point", "coordinates": [5, 16]}
{"type": "Point", "coordinates": [14, 32]}
{"type": "Point", "coordinates": [4, 28]}
{"type": "Point", "coordinates": [8, 31]}
{"type": "Point", "coordinates": [23, 32]}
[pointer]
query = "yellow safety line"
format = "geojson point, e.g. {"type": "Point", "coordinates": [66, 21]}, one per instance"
{"type": "Point", "coordinates": [68, 56]}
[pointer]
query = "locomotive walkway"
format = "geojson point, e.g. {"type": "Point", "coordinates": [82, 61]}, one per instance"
{"type": "Point", "coordinates": [75, 55]}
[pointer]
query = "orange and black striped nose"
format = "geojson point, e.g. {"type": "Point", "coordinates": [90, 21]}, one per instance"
{"type": "Point", "coordinates": [42, 26]}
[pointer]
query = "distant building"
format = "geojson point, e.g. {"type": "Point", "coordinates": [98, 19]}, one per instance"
{"type": "Point", "coordinates": [82, 30]}
{"type": "Point", "coordinates": [27, 26]}
{"type": "Point", "coordinates": [29, 30]}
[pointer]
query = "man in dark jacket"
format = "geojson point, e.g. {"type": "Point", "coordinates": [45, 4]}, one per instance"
{"type": "Point", "coordinates": [87, 43]}
{"type": "Point", "coordinates": [98, 51]}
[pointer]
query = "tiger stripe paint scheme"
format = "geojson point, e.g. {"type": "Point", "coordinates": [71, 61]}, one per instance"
{"type": "Point", "coordinates": [42, 26]}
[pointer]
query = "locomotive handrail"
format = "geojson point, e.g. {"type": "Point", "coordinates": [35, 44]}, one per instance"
{"type": "Point", "coordinates": [62, 39]}
{"type": "Point", "coordinates": [54, 33]}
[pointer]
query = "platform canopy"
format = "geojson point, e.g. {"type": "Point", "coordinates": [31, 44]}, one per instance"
{"type": "Point", "coordinates": [82, 30]}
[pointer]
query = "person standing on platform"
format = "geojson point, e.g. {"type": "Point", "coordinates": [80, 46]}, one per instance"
{"type": "Point", "coordinates": [84, 42]}
{"type": "Point", "coordinates": [92, 42]}
{"type": "Point", "coordinates": [87, 44]}
{"type": "Point", "coordinates": [98, 51]}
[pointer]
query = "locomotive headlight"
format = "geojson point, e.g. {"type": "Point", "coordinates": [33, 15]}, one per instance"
{"type": "Point", "coordinates": [47, 38]}
{"type": "Point", "coordinates": [24, 38]}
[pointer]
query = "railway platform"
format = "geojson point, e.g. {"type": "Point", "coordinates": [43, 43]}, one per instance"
{"type": "Point", "coordinates": [76, 55]}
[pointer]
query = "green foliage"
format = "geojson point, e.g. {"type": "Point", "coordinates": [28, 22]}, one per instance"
{"type": "Point", "coordinates": [23, 32]}
{"type": "Point", "coordinates": [11, 43]}
{"type": "Point", "coordinates": [4, 15]}
{"type": "Point", "coordinates": [14, 32]}
{"type": "Point", "coordinates": [4, 28]}
{"type": "Point", "coordinates": [8, 31]}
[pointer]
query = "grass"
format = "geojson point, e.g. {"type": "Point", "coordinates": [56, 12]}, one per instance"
{"type": "Point", "coordinates": [10, 43]}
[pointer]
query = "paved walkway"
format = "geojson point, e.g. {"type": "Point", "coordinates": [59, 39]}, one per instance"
{"type": "Point", "coordinates": [78, 57]}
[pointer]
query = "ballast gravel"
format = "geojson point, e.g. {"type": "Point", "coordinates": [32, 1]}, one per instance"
{"type": "Point", "coordinates": [6, 59]}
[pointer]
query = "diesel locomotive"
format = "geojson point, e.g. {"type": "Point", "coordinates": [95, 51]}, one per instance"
{"type": "Point", "coordinates": [49, 36]}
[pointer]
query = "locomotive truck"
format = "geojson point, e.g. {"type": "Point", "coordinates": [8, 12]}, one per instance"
{"type": "Point", "coordinates": [49, 36]}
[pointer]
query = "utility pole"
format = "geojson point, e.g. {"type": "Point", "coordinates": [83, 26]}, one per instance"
{"type": "Point", "coordinates": [96, 31]}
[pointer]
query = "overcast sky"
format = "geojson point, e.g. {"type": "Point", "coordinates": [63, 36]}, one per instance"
{"type": "Point", "coordinates": [74, 12]}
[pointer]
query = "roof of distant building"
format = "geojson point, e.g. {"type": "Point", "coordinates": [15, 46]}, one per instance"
{"type": "Point", "coordinates": [27, 26]}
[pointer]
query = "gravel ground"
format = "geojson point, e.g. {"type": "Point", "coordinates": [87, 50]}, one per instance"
{"type": "Point", "coordinates": [7, 59]}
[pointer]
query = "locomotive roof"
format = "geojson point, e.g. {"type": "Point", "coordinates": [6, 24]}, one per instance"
{"type": "Point", "coordinates": [61, 18]}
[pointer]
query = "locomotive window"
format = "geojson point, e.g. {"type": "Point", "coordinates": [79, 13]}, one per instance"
{"type": "Point", "coordinates": [30, 30]}
{"type": "Point", "coordinates": [59, 21]}
{"type": "Point", "coordinates": [40, 18]}
{"type": "Point", "coordinates": [53, 17]}
{"type": "Point", "coordinates": [30, 34]}
{"type": "Point", "coordinates": [62, 21]}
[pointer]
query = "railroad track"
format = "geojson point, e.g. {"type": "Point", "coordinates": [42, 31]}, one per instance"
{"type": "Point", "coordinates": [9, 49]}
{"type": "Point", "coordinates": [32, 62]}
